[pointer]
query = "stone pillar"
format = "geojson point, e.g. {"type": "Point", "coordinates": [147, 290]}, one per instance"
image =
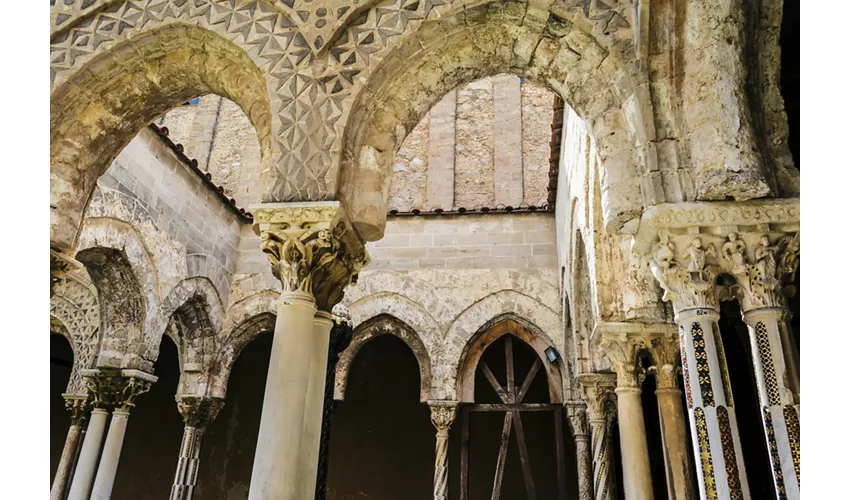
{"type": "Point", "coordinates": [315, 253]}
{"type": "Point", "coordinates": [701, 253]}
{"type": "Point", "coordinates": [577, 416]}
{"type": "Point", "coordinates": [78, 406]}
{"type": "Point", "coordinates": [198, 412]}
{"type": "Point", "coordinates": [637, 479]}
{"type": "Point", "coordinates": [598, 394]}
{"type": "Point", "coordinates": [677, 458]}
{"type": "Point", "coordinates": [135, 382]}
{"type": "Point", "coordinates": [341, 335]}
{"type": "Point", "coordinates": [761, 285]}
{"type": "Point", "coordinates": [442, 416]}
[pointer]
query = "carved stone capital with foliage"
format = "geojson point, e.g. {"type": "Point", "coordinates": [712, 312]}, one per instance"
{"type": "Point", "coordinates": [78, 405]}
{"type": "Point", "coordinates": [666, 358]}
{"type": "Point", "coordinates": [702, 253]}
{"type": "Point", "coordinates": [442, 415]}
{"type": "Point", "coordinates": [312, 248]}
{"type": "Point", "coordinates": [621, 342]}
{"type": "Point", "coordinates": [597, 390]}
{"type": "Point", "coordinates": [199, 411]}
{"type": "Point", "coordinates": [577, 416]}
{"type": "Point", "coordinates": [116, 389]}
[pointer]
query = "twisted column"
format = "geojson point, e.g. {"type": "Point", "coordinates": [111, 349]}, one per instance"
{"type": "Point", "coordinates": [315, 253]}
{"type": "Point", "coordinates": [341, 334]}
{"type": "Point", "coordinates": [577, 416]}
{"type": "Point", "coordinates": [677, 457]}
{"type": "Point", "coordinates": [198, 412]}
{"type": "Point", "coordinates": [598, 394]}
{"type": "Point", "coordinates": [78, 406]}
{"type": "Point", "coordinates": [442, 416]}
{"type": "Point", "coordinates": [134, 382]}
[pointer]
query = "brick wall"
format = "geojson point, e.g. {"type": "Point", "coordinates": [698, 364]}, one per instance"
{"type": "Point", "coordinates": [180, 205]}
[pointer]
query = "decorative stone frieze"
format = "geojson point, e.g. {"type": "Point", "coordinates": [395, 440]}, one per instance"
{"type": "Point", "coordinates": [312, 248]}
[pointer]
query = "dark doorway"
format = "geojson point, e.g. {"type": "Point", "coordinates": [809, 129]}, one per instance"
{"type": "Point", "coordinates": [61, 362]}
{"type": "Point", "coordinates": [382, 442]}
{"type": "Point", "coordinates": [227, 450]}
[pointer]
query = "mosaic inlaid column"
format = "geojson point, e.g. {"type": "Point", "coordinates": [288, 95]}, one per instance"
{"type": "Point", "coordinates": [341, 334]}
{"type": "Point", "coordinates": [678, 465]}
{"type": "Point", "coordinates": [198, 412]}
{"type": "Point", "coordinates": [442, 416]}
{"type": "Point", "coordinates": [598, 393]}
{"type": "Point", "coordinates": [78, 406]}
{"type": "Point", "coordinates": [637, 479]}
{"type": "Point", "coordinates": [577, 417]}
{"type": "Point", "coordinates": [315, 253]}
{"type": "Point", "coordinates": [135, 383]}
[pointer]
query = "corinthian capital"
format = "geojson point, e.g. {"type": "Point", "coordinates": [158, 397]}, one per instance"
{"type": "Point", "coordinates": [621, 342]}
{"type": "Point", "coordinates": [597, 390]}
{"type": "Point", "coordinates": [577, 416]}
{"type": "Point", "coordinates": [666, 359]}
{"type": "Point", "coordinates": [116, 389]}
{"type": "Point", "coordinates": [701, 253]}
{"type": "Point", "coordinates": [198, 411]}
{"type": "Point", "coordinates": [312, 248]}
{"type": "Point", "coordinates": [442, 414]}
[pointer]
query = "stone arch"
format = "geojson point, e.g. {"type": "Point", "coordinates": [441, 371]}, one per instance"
{"type": "Point", "coordinates": [540, 319]}
{"type": "Point", "coordinates": [196, 311]}
{"type": "Point", "coordinates": [384, 324]}
{"type": "Point", "coordinates": [125, 276]}
{"type": "Point", "coordinates": [402, 308]}
{"type": "Point", "coordinates": [105, 92]}
{"type": "Point", "coordinates": [507, 324]}
{"type": "Point", "coordinates": [75, 313]}
{"type": "Point", "coordinates": [500, 37]}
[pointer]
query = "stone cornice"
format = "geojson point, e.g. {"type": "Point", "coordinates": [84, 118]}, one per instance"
{"type": "Point", "coordinates": [723, 217]}
{"type": "Point", "coordinates": [312, 247]}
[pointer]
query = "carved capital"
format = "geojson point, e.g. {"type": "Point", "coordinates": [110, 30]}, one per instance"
{"type": "Point", "coordinates": [312, 248]}
{"type": "Point", "coordinates": [577, 416]}
{"type": "Point", "coordinates": [597, 390]}
{"type": "Point", "coordinates": [60, 266]}
{"type": "Point", "coordinates": [621, 343]}
{"type": "Point", "coordinates": [116, 389]}
{"type": "Point", "coordinates": [702, 253]}
{"type": "Point", "coordinates": [199, 411]}
{"type": "Point", "coordinates": [666, 359]}
{"type": "Point", "coordinates": [78, 405]}
{"type": "Point", "coordinates": [442, 415]}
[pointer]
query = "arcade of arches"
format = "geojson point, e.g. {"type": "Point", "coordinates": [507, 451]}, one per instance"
{"type": "Point", "coordinates": [448, 249]}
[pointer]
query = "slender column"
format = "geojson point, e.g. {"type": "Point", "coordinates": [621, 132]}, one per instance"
{"type": "Point", "coordinates": [78, 406]}
{"type": "Point", "coordinates": [315, 253]}
{"type": "Point", "coordinates": [577, 415]}
{"type": "Point", "coordinates": [135, 383]}
{"type": "Point", "coordinates": [89, 454]}
{"type": "Point", "coordinates": [341, 334]}
{"type": "Point", "coordinates": [442, 416]}
{"type": "Point", "coordinates": [677, 458]}
{"type": "Point", "coordinates": [198, 412]}
{"type": "Point", "coordinates": [598, 393]}
{"type": "Point", "coordinates": [637, 479]}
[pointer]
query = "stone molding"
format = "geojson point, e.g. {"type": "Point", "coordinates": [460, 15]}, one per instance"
{"type": "Point", "coordinates": [752, 248]}
{"type": "Point", "coordinates": [312, 248]}
{"type": "Point", "coordinates": [117, 389]}
{"type": "Point", "coordinates": [199, 411]}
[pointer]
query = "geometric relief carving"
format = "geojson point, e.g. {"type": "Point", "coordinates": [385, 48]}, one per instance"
{"type": "Point", "coordinates": [773, 449]}
{"type": "Point", "coordinates": [702, 365]}
{"type": "Point", "coordinates": [76, 305]}
{"type": "Point", "coordinates": [705, 455]}
{"type": "Point", "coordinates": [768, 370]}
{"type": "Point", "coordinates": [732, 477]}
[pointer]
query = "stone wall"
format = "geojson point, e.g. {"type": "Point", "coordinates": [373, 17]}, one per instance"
{"type": "Point", "coordinates": [179, 204]}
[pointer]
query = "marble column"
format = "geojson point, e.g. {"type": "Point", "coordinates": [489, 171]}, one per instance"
{"type": "Point", "coordinates": [78, 406]}
{"type": "Point", "coordinates": [637, 478]}
{"type": "Point", "coordinates": [598, 394]}
{"type": "Point", "coordinates": [442, 416]}
{"type": "Point", "coordinates": [135, 383]}
{"type": "Point", "coordinates": [198, 412]}
{"type": "Point", "coordinates": [577, 417]}
{"type": "Point", "coordinates": [678, 466]}
{"type": "Point", "coordinates": [702, 253]}
{"type": "Point", "coordinates": [341, 335]}
{"type": "Point", "coordinates": [315, 253]}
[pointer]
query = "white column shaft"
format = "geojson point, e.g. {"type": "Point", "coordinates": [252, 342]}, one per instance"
{"type": "Point", "coordinates": [637, 479]}
{"type": "Point", "coordinates": [108, 467]}
{"type": "Point", "coordinates": [87, 462]}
